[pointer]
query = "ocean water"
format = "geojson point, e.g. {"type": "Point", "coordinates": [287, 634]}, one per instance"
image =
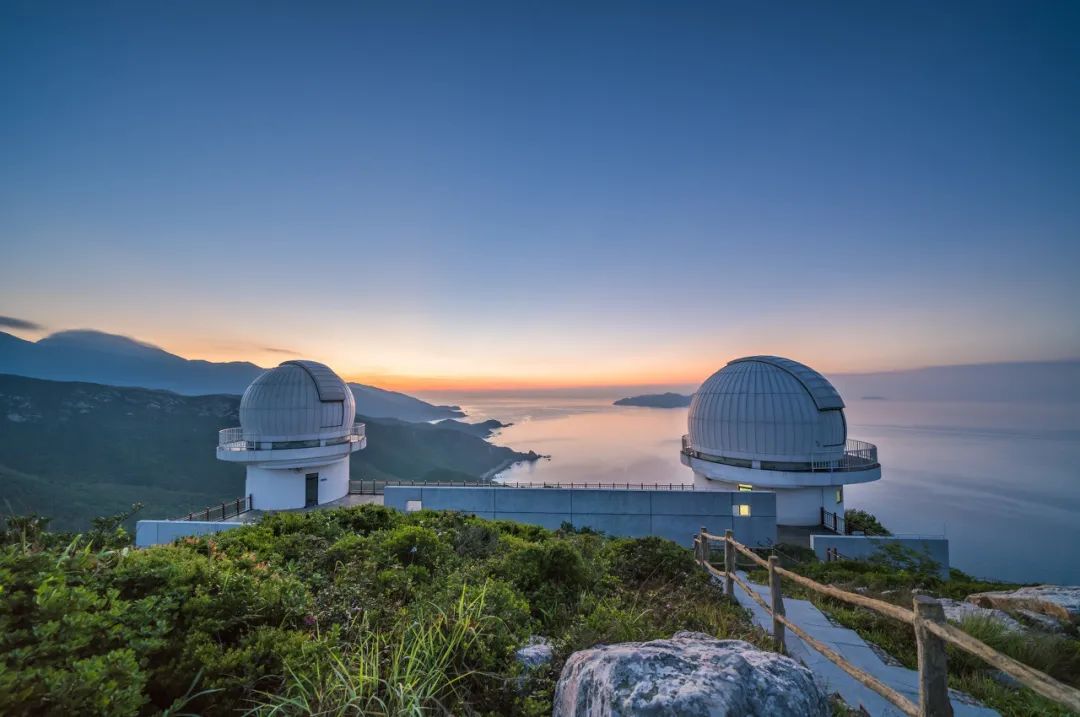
{"type": "Point", "coordinates": [1000, 480]}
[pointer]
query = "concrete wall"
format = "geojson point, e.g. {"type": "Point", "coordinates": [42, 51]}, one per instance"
{"type": "Point", "coordinates": [283, 488]}
{"type": "Point", "coordinates": [802, 506]}
{"type": "Point", "coordinates": [794, 506]}
{"type": "Point", "coordinates": [334, 481]}
{"type": "Point", "coordinates": [675, 515]}
{"type": "Point", "coordinates": [158, 532]}
{"type": "Point", "coordinates": [860, 547]}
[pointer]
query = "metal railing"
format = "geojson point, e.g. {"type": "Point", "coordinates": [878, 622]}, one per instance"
{"type": "Point", "coordinates": [227, 437]}
{"type": "Point", "coordinates": [833, 521]}
{"type": "Point", "coordinates": [223, 511]}
{"type": "Point", "coordinates": [377, 487]}
{"type": "Point", "coordinates": [857, 455]}
{"type": "Point", "coordinates": [932, 633]}
{"type": "Point", "coordinates": [234, 439]}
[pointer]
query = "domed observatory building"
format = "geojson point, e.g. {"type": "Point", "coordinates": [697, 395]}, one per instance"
{"type": "Point", "coordinates": [770, 423]}
{"type": "Point", "coordinates": [297, 431]}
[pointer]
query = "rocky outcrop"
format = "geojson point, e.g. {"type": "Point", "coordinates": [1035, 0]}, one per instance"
{"type": "Point", "coordinates": [692, 675]}
{"type": "Point", "coordinates": [1058, 601]}
{"type": "Point", "coordinates": [956, 611]}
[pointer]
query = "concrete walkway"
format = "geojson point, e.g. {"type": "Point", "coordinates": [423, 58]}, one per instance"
{"type": "Point", "coordinates": [848, 643]}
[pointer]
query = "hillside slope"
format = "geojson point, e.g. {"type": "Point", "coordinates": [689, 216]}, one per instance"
{"type": "Point", "coordinates": [75, 450]}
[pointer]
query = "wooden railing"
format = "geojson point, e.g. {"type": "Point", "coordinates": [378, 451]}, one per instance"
{"type": "Point", "coordinates": [222, 511]}
{"type": "Point", "coordinates": [932, 633]}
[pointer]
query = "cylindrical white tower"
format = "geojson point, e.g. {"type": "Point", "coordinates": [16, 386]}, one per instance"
{"type": "Point", "coordinates": [297, 430]}
{"type": "Point", "coordinates": [770, 423]}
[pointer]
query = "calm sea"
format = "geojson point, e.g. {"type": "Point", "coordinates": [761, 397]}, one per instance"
{"type": "Point", "coordinates": [1000, 480]}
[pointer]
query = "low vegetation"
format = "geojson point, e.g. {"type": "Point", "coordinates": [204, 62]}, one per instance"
{"type": "Point", "coordinates": [359, 610]}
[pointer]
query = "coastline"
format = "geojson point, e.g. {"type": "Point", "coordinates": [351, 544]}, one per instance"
{"type": "Point", "coordinates": [493, 474]}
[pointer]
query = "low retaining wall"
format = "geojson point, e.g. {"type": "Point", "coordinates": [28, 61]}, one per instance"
{"type": "Point", "coordinates": [159, 532]}
{"type": "Point", "coordinates": [861, 547]}
{"type": "Point", "coordinates": [675, 515]}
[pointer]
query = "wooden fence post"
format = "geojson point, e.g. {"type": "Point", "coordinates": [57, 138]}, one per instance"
{"type": "Point", "coordinates": [729, 563]}
{"type": "Point", "coordinates": [777, 604]}
{"type": "Point", "coordinates": [703, 546]}
{"type": "Point", "coordinates": [933, 670]}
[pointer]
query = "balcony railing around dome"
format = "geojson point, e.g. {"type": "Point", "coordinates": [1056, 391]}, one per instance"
{"type": "Point", "coordinates": [858, 455]}
{"type": "Point", "coordinates": [232, 439]}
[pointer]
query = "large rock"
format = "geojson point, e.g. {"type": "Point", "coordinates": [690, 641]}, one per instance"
{"type": "Point", "coordinates": [1057, 601]}
{"type": "Point", "coordinates": [956, 611]}
{"type": "Point", "coordinates": [1040, 621]}
{"type": "Point", "coordinates": [691, 675]}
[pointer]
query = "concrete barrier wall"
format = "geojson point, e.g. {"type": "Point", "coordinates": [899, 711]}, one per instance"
{"type": "Point", "coordinates": [159, 532]}
{"type": "Point", "coordinates": [676, 515]}
{"type": "Point", "coordinates": [862, 547]}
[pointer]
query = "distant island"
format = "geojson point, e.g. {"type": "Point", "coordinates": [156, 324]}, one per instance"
{"type": "Point", "coordinates": [484, 429]}
{"type": "Point", "coordinates": [874, 398]}
{"type": "Point", "coordinates": [656, 400]}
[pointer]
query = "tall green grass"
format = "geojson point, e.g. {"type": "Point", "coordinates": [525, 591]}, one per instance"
{"type": "Point", "coordinates": [410, 670]}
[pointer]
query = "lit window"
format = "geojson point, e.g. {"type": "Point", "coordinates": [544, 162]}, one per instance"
{"type": "Point", "coordinates": [741, 510]}
{"type": "Point", "coordinates": [411, 506]}
{"type": "Point", "coordinates": [839, 495]}
{"type": "Point", "coordinates": [745, 487]}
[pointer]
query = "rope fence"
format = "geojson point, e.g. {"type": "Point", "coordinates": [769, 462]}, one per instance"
{"type": "Point", "coordinates": [932, 633]}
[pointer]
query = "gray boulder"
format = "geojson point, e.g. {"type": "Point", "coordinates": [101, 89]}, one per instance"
{"type": "Point", "coordinates": [956, 611]}
{"type": "Point", "coordinates": [535, 653]}
{"type": "Point", "coordinates": [691, 675]}
{"type": "Point", "coordinates": [1040, 621]}
{"type": "Point", "coordinates": [1061, 602]}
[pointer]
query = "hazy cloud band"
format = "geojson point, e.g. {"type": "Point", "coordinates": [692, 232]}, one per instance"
{"type": "Point", "coordinates": [10, 322]}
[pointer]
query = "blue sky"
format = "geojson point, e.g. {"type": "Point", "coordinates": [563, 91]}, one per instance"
{"type": "Point", "coordinates": [546, 192]}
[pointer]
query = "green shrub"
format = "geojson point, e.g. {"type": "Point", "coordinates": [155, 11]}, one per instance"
{"type": "Point", "coordinates": [477, 540]}
{"type": "Point", "coordinates": [645, 561]}
{"type": "Point", "coordinates": [409, 545]}
{"type": "Point", "coordinates": [864, 522]}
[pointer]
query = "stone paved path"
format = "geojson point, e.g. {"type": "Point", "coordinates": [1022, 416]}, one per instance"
{"type": "Point", "coordinates": [848, 643]}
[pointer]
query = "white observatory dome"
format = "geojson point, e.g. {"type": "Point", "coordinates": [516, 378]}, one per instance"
{"type": "Point", "coordinates": [770, 409]}
{"type": "Point", "coordinates": [297, 401]}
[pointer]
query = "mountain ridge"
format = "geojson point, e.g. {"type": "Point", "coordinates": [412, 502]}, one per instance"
{"type": "Point", "coordinates": [114, 360]}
